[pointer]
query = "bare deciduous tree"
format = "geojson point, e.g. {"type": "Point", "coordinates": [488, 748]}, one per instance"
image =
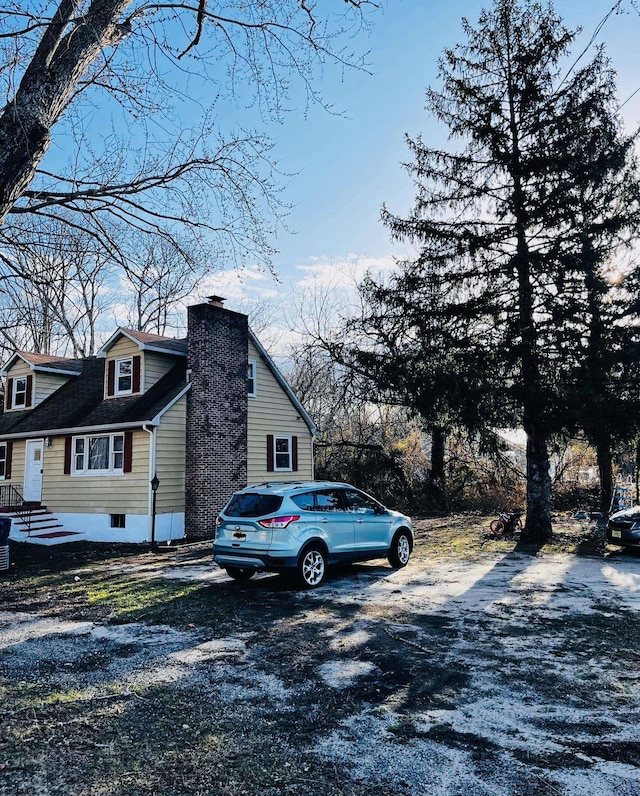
{"type": "Point", "coordinates": [54, 289]}
{"type": "Point", "coordinates": [69, 67]}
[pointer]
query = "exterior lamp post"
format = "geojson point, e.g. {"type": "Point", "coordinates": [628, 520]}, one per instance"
{"type": "Point", "coordinates": [155, 483]}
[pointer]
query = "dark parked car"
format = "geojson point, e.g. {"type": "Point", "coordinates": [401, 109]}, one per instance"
{"type": "Point", "coordinates": [623, 528]}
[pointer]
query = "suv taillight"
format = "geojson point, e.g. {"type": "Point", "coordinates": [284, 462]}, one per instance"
{"type": "Point", "coordinates": [219, 521]}
{"type": "Point", "coordinates": [279, 522]}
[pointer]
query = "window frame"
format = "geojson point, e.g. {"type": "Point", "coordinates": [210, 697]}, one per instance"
{"type": "Point", "coordinates": [84, 471]}
{"type": "Point", "coordinates": [23, 392]}
{"type": "Point", "coordinates": [289, 453]}
{"type": "Point", "coordinates": [4, 455]}
{"type": "Point", "coordinates": [118, 376]}
{"type": "Point", "coordinates": [252, 366]}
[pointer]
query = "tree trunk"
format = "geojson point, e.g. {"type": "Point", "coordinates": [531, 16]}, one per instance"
{"type": "Point", "coordinates": [68, 47]}
{"type": "Point", "coordinates": [605, 469]}
{"type": "Point", "coordinates": [637, 469]}
{"type": "Point", "coordinates": [537, 529]}
{"type": "Point", "coordinates": [437, 475]}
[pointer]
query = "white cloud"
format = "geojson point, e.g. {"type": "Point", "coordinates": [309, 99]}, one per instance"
{"type": "Point", "coordinates": [237, 284]}
{"type": "Point", "coordinates": [345, 272]}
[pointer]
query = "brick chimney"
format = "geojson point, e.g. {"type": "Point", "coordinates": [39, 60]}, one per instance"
{"type": "Point", "coordinates": [216, 449]}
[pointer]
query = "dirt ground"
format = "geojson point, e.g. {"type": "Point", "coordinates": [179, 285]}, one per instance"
{"type": "Point", "coordinates": [481, 668]}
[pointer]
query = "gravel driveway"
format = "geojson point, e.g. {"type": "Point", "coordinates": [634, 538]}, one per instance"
{"type": "Point", "coordinates": [503, 671]}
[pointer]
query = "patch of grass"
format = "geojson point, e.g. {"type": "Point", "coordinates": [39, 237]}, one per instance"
{"type": "Point", "coordinates": [130, 599]}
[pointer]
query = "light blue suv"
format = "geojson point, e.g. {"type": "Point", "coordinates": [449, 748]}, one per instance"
{"type": "Point", "coordinates": [304, 527]}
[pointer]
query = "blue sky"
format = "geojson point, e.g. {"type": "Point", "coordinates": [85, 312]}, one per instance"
{"type": "Point", "coordinates": [348, 166]}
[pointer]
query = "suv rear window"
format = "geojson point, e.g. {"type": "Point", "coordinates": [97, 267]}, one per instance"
{"type": "Point", "coordinates": [252, 504]}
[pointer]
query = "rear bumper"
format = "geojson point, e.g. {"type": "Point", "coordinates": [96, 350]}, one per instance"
{"type": "Point", "coordinates": [250, 559]}
{"type": "Point", "coordinates": [624, 537]}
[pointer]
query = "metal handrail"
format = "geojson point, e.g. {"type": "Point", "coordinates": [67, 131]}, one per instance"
{"type": "Point", "coordinates": [11, 498]}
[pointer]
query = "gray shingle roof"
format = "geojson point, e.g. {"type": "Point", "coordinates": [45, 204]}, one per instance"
{"type": "Point", "coordinates": [80, 403]}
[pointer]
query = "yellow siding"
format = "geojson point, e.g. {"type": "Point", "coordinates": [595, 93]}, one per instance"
{"type": "Point", "coordinates": [271, 412]}
{"type": "Point", "coordinates": [118, 494]}
{"type": "Point", "coordinates": [19, 368]}
{"type": "Point", "coordinates": [170, 450]}
{"type": "Point", "coordinates": [123, 348]}
{"type": "Point", "coordinates": [45, 384]}
{"type": "Point", "coordinates": [17, 465]}
{"type": "Point", "coordinates": [155, 366]}
{"type": "Point", "coordinates": [16, 371]}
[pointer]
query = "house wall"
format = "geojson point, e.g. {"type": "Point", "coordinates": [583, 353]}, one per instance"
{"type": "Point", "coordinates": [45, 384]}
{"type": "Point", "coordinates": [17, 465]}
{"type": "Point", "coordinates": [79, 494]}
{"type": "Point", "coordinates": [155, 366]}
{"type": "Point", "coordinates": [19, 368]}
{"type": "Point", "coordinates": [271, 412]}
{"type": "Point", "coordinates": [122, 348]}
{"type": "Point", "coordinates": [86, 503]}
{"type": "Point", "coordinates": [170, 451]}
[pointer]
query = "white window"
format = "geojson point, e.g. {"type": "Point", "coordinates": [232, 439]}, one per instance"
{"type": "Point", "coordinates": [99, 455]}
{"type": "Point", "coordinates": [20, 392]}
{"type": "Point", "coordinates": [124, 376]}
{"type": "Point", "coordinates": [3, 460]}
{"type": "Point", "coordinates": [282, 454]}
{"type": "Point", "coordinates": [252, 379]}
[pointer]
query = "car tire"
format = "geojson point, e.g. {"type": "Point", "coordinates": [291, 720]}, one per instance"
{"type": "Point", "coordinates": [240, 574]}
{"type": "Point", "coordinates": [312, 567]}
{"type": "Point", "coordinates": [400, 549]}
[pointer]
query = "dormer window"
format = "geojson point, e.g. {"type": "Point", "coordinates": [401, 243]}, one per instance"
{"type": "Point", "coordinates": [124, 376]}
{"type": "Point", "coordinates": [20, 393]}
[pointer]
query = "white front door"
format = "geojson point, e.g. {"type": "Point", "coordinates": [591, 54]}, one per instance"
{"type": "Point", "coordinates": [33, 470]}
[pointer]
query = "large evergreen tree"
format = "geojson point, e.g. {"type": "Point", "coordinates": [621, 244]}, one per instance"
{"type": "Point", "coordinates": [598, 178]}
{"type": "Point", "coordinates": [492, 221]}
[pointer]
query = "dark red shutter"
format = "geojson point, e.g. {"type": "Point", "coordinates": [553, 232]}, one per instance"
{"type": "Point", "coordinates": [9, 396]}
{"type": "Point", "coordinates": [29, 391]}
{"type": "Point", "coordinates": [269, 453]}
{"type": "Point", "coordinates": [8, 458]}
{"type": "Point", "coordinates": [111, 378]}
{"type": "Point", "coordinates": [67, 455]}
{"type": "Point", "coordinates": [128, 451]}
{"type": "Point", "coordinates": [136, 374]}
{"type": "Point", "coordinates": [294, 453]}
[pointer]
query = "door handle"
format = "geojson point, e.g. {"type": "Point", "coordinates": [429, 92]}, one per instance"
{"type": "Point", "coordinates": [359, 522]}
{"type": "Point", "coordinates": [324, 519]}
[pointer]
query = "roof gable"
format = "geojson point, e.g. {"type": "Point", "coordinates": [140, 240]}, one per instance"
{"type": "Point", "coordinates": [146, 342]}
{"type": "Point", "coordinates": [283, 383]}
{"type": "Point", "coordinates": [45, 363]}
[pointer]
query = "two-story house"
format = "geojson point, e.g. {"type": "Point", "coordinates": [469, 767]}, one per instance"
{"type": "Point", "coordinates": [146, 440]}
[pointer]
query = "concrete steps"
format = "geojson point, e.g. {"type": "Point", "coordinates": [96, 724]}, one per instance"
{"type": "Point", "coordinates": [35, 524]}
